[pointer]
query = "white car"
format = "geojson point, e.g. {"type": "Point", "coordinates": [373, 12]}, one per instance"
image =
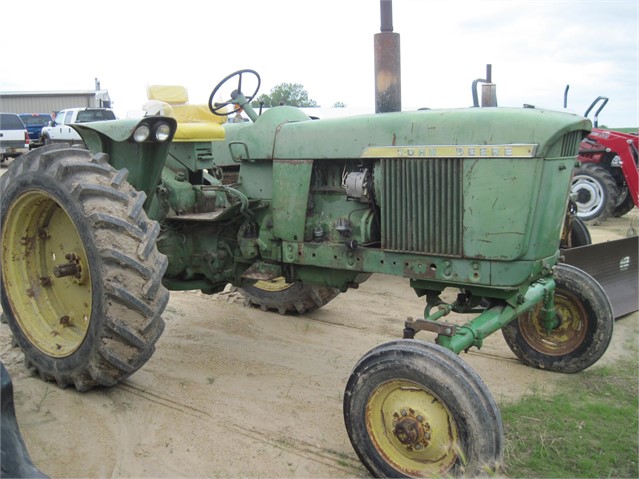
{"type": "Point", "coordinates": [61, 130]}
{"type": "Point", "coordinates": [14, 137]}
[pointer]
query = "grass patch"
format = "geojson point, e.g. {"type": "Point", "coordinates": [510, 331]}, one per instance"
{"type": "Point", "coordinates": [589, 428]}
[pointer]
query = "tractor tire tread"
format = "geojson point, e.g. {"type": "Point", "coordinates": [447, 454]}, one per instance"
{"type": "Point", "coordinates": [624, 207]}
{"type": "Point", "coordinates": [599, 322]}
{"type": "Point", "coordinates": [299, 298]}
{"type": "Point", "coordinates": [607, 182]}
{"type": "Point", "coordinates": [445, 368]}
{"type": "Point", "coordinates": [134, 293]}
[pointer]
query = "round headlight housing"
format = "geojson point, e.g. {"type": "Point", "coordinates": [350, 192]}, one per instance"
{"type": "Point", "coordinates": [141, 133]}
{"type": "Point", "coordinates": [162, 131]}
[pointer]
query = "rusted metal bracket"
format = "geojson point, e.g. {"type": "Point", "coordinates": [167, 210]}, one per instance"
{"type": "Point", "coordinates": [412, 326]}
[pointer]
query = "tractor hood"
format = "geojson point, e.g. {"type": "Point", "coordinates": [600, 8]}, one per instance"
{"type": "Point", "coordinates": [288, 133]}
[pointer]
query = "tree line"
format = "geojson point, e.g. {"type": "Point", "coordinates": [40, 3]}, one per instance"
{"type": "Point", "coordinates": [291, 94]}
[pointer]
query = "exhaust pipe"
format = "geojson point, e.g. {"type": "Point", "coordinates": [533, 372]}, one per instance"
{"type": "Point", "coordinates": [489, 89]}
{"type": "Point", "coordinates": [388, 79]}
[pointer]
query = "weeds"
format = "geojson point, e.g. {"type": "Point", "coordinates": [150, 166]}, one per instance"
{"type": "Point", "coordinates": [589, 428]}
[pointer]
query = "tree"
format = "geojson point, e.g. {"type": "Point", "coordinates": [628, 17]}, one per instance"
{"type": "Point", "coordinates": [339, 104]}
{"type": "Point", "coordinates": [291, 94]}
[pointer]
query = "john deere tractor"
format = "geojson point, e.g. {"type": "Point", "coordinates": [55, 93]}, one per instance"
{"type": "Point", "coordinates": [296, 211]}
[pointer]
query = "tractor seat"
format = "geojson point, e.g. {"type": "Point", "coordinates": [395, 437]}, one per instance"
{"type": "Point", "coordinates": [195, 122]}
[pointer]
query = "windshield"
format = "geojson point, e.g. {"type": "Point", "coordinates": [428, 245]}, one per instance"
{"type": "Point", "coordinates": [35, 120]}
{"type": "Point", "coordinates": [10, 121]}
{"type": "Point", "coordinates": [94, 115]}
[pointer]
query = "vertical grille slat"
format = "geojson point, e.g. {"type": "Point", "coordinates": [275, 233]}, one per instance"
{"type": "Point", "coordinates": [422, 206]}
{"type": "Point", "coordinates": [570, 144]}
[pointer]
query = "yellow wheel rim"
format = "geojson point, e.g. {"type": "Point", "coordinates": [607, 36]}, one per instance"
{"type": "Point", "coordinates": [412, 429]}
{"type": "Point", "coordinates": [566, 337]}
{"type": "Point", "coordinates": [46, 274]}
{"type": "Point", "coordinates": [274, 285]}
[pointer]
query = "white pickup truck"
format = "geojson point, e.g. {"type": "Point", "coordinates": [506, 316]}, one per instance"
{"type": "Point", "coordinates": [60, 130]}
{"type": "Point", "coordinates": [14, 138]}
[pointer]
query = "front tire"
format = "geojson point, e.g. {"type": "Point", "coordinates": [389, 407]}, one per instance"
{"type": "Point", "coordinates": [81, 275]}
{"type": "Point", "coordinates": [415, 409]}
{"type": "Point", "coordinates": [584, 332]}
{"type": "Point", "coordinates": [579, 234]}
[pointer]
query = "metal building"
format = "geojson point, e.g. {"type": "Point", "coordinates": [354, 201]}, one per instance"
{"type": "Point", "coordinates": [48, 101]}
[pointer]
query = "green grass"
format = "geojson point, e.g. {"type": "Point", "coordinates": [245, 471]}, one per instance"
{"type": "Point", "coordinates": [589, 428]}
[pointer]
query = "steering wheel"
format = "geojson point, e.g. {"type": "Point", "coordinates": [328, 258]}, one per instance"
{"type": "Point", "coordinates": [237, 97]}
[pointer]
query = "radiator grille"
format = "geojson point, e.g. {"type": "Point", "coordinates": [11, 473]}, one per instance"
{"type": "Point", "coordinates": [570, 146]}
{"type": "Point", "coordinates": [422, 205]}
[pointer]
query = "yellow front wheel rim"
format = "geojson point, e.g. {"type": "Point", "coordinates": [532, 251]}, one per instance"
{"type": "Point", "coordinates": [274, 285]}
{"type": "Point", "coordinates": [46, 274]}
{"type": "Point", "coordinates": [411, 428]}
{"type": "Point", "coordinates": [566, 337]}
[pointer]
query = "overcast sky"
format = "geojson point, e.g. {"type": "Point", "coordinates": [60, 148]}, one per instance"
{"type": "Point", "coordinates": [535, 47]}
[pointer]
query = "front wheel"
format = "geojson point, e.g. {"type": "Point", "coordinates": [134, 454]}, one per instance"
{"type": "Point", "coordinates": [415, 409]}
{"type": "Point", "coordinates": [278, 295]}
{"type": "Point", "coordinates": [579, 234]}
{"type": "Point", "coordinates": [81, 275]}
{"type": "Point", "coordinates": [585, 323]}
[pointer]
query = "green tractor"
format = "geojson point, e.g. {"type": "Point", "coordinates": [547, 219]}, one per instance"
{"type": "Point", "coordinates": [296, 211]}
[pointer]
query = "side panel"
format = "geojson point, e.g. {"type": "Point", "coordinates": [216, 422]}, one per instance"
{"type": "Point", "coordinates": [255, 179]}
{"type": "Point", "coordinates": [291, 183]}
{"type": "Point", "coordinates": [498, 196]}
{"type": "Point", "coordinates": [550, 207]}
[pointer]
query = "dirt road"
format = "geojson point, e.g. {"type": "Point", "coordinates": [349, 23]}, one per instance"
{"type": "Point", "coordinates": [233, 391]}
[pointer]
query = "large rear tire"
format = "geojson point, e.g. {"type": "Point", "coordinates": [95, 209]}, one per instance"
{"type": "Point", "coordinates": [278, 295]}
{"type": "Point", "coordinates": [415, 409]}
{"type": "Point", "coordinates": [81, 276]}
{"type": "Point", "coordinates": [595, 192]}
{"type": "Point", "coordinates": [584, 332]}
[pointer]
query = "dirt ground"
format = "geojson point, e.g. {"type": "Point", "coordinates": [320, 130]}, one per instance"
{"type": "Point", "coordinates": [236, 392]}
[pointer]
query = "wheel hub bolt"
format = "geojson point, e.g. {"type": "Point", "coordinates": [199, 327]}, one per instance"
{"type": "Point", "coordinates": [411, 429]}
{"type": "Point", "coordinates": [72, 268]}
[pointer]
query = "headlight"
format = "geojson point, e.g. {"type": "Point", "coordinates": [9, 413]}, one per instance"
{"type": "Point", "coordinates": [162, 132]}
{"type": "Point", "coordinates": [141, 133]}
{"type": "Point", "coordinates": [616, 161]}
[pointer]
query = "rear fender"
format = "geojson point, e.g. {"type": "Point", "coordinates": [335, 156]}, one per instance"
{"type": "Point", "coordinates": [143, 159]}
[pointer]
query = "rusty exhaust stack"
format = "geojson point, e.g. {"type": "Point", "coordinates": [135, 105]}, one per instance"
{"type": "Point", "coordinates": [488, 91]}
{"type": "Point", "coordinates": [388, 78]}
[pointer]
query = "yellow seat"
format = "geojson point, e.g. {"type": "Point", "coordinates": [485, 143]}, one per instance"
{"type": "Point", "coordinates": [195, 122]}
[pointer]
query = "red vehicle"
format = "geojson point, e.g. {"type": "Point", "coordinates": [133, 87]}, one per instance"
{"type": "Point", "coordinates": [607, 181]}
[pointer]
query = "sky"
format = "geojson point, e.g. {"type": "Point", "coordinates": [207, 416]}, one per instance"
{"type": "Point", "coordinates": [535, 48]}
